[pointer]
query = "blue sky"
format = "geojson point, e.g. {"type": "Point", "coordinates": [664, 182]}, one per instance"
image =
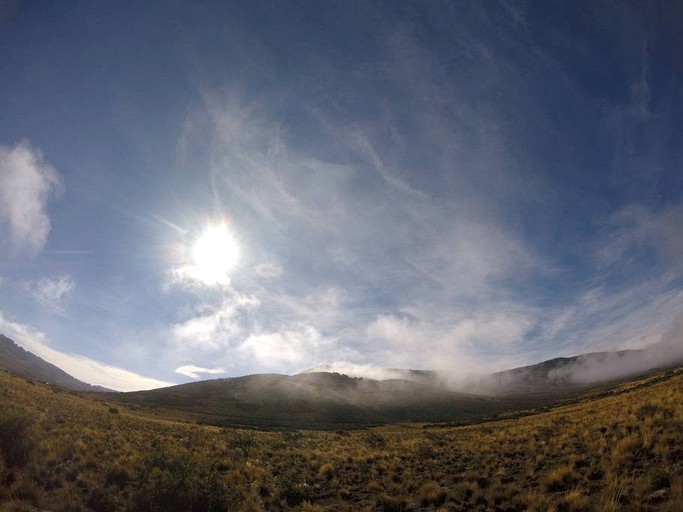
{"type": "Point", "coordinates": [464, 186]}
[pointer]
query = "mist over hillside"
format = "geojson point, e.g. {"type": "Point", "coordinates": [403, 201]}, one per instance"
{"type": "Point", "coordinates": [583, 369]}
{"type": "Point", "coordinates": [324, 397]}
{"type": "Point", "coordinates": [373, 372]}
{"type": "Point", "coordinates": [316, 400]}
{"type": "Point", "coordinates": [586, 369]}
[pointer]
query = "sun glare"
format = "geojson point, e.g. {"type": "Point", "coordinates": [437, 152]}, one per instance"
{"type": "Point", "coordinates": [215, 253]}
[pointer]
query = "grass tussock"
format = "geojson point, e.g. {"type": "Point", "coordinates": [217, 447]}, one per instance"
{"type": "Point", "coordinates": [73, 452]}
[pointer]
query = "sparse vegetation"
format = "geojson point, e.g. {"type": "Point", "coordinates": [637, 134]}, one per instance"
{"type": "Point", "coordinates": [66, 451]}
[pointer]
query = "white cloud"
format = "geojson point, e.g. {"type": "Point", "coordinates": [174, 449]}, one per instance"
{"type": "Point", "coordinates": [190, 276]}
{"type": "Point", "coordinates": [398, 330]}
{"type": "Point", "coordinates": [448, 345]}
{"type": "Point", "coordinates": [83, 368]}
{"type": "Point", "coordinates": [192, 371]}
{"type": "Point", "coordinates": [282, 351]}
{"type": "Point", "coordinates": [26, 184]}
{"type": "Point", "coordinates": [218, 327]}
{"type": "Point", "coordinates": [51, 292]}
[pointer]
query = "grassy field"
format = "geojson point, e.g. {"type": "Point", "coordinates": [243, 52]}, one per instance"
{"type": "Point", "coordinates": [66, 451]}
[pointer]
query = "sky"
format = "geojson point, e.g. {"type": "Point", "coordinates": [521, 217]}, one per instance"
{"type": "Point", "coordinates": [194, 190]}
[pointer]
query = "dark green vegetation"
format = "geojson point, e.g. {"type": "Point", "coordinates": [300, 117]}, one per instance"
{"type": "Point", "coordinates": [18, 361]}
{"type": "Point", "coordinates": [68, 451]}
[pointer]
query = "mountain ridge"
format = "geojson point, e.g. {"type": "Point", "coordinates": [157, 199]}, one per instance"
{"type": "Point", "coordinates": [19, 361]}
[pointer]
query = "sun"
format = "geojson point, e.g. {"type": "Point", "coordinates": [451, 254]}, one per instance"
{"type": "Point", "coordinates": [215, 254]}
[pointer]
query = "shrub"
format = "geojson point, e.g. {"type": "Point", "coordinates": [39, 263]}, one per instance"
{"type": "Point", "coordinates": [425, 451]}
{"type": "Point", "coordinates": [176, 482]}
{"type": "Point", "coordinates": [16, 443]}
{"type": "Point", "coordinates": [294, 493]}
{"type": "Point", "coordinates": [431, 494]}
{"type": "Point", "coordinates": [242, 441]}
{"type": "Point", "coordinates": [117, 476]}
{"type": "Point", "coordinates": [375, 440]}
{"type": "Point", "coordinates": [26, 491]}
{"type": "Point", "coordinates": [650, 410]}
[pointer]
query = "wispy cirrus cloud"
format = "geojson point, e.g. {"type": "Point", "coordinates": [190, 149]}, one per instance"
{"type": "Point", "coordinates": [51, 292]}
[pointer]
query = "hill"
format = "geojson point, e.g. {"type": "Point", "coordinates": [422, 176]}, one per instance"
{"type": "Point", "coordinates": [327, 400]}
{"type": "Point", "coordinates": [314, 400]}
{"type": "Point", "coordinates": [581, 370]}
{"type": "Point", "coordinates": [18, 361]}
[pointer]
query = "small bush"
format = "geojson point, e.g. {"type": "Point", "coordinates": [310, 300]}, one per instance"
{"type": "Point", "coordinates": [375, 440]}
{"type": "Point", "coordinates": [16, 443]}
{"type": "Point", "coordinates": [117, 476]}
{"type": "Point", "coordinates": [431, 494]}
{"type": "Point", "coordinates": [26, 491]}
{"type": "Point", "coordinates": [242, 441]}
{"type": "Point", "coordinates": [294, 493]}
{"type": "Point", "coordinates": [176, 482]}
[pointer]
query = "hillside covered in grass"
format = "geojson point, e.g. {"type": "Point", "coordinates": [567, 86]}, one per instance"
{"type": "Point", "coordinates": [67, 451]}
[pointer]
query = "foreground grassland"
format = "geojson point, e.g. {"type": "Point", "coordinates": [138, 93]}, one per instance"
{"type": "Point", "coordinates": [67, 452]}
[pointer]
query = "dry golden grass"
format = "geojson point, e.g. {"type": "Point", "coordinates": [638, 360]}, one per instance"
{"type": "Point", "coordinates": [63, 451]}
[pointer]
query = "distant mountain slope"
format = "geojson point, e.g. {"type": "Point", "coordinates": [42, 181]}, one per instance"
{"type": "Point", "coordinates": [23, 363]}
{"type": "Point", "coordinates": [323, 399]}
{"type": "Point", "coordinates": [582, 370]}
{"type": "Point", "coordinates": [317, 400]}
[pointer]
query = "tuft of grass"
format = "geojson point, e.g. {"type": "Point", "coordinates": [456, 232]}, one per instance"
{"type": "Point", "coordinates": [559, 479]}
{"type": "Point", "coordinates": [391, 503]}
{"type": "Point", "coordinates": [326, 471]}
{"type": "Point", "coordinates": [574, 501]}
